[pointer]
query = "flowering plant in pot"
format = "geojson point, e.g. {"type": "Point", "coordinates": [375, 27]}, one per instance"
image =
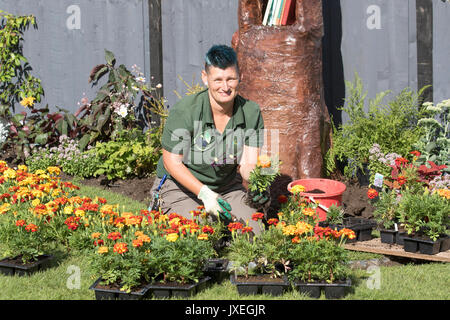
{"type": "Point", "coordinates": [259, 262]}
{"type": "Point", "coordinates": [261, 177]}
{"type": "Point", "coordinates": [386, 214]}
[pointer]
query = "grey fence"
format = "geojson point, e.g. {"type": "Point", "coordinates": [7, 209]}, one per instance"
{"type": "Point", "coordinates": [378, 39]}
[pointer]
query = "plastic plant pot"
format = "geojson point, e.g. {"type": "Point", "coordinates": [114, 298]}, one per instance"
{"type": "Point", "coordinates": [332, 189]}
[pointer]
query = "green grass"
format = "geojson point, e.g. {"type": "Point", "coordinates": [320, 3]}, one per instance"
{"type": "Point", "coordinates": [428, 281]}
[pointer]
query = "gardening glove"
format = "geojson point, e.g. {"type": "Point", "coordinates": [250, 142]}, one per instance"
{"type": "Point", "coordinates": [258, 200]}
{"type": "Point", "coordinates": [210, 200]}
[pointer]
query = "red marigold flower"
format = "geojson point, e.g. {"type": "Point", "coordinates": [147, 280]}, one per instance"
{"type": "Point", "coordinates": [296, 239]}
{"type": "Point", "coordinates": [208, 229]}
{"type": "Point", "coordinates": [120, 247]}
{"type": "Point", "coordinates": [247, 229]}
{"type": "Point", "coordinates": [114, 236]}
{"type": "Point", "coordinates": [31, 227]}
{"type": "Point", "coordinates": [233, 226]}
{"type": "Point", "coordinates": [98, 242]}
{"type": "Point", "coordinates": [257, 216]}
{"type": "Point", "coordinates": [399, 162]}
{"type": "Point", "coordinates": [273, 221]}
{"type": "Point", "coordinates": [415, 153]}
{"type": "Point", "coordinates": [372, 193]}
{"type": "Point", "coordinates": [101, 200]}
{"type": "Point", "coordinates": [282, 198]}
{"type": "Point", "coordinates": [401, 180]}
{"type": "Point", "coordinates": [20, 223]}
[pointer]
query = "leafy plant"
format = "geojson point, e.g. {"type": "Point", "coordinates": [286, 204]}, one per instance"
{"type": "Point", "coordinates": [16, 81]}
{"type": "Point", "coordinates": [335, 214]}
{"type": "Point", "coordinates": [128, 155]}
{"type": "Point", "coordinates": [386, 208]}
{"type": "Point", "coordinates": [434, 144]}
{"type": "Point", "coordinates": [114, 108]}
{"type": "Point", "coordinates": [424, 213]}
{"type": "Point", "coordinates": [262, 176]}
{"type": "Point", "coordinates": [392, 126]}
{"type": "Point", "coordinates": [67, 156]}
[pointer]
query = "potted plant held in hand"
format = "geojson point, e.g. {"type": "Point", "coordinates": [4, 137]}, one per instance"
{"type": "Point", "coordinates": [260, 180]}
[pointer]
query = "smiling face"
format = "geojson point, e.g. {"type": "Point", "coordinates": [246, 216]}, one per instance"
{"type": "Point", "coordinates": [222, 84]}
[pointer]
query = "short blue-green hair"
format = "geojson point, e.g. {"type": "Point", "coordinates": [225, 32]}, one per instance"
{"type": "Point", "coordinates": [221, 56]}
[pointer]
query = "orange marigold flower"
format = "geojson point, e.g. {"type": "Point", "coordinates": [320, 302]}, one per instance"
{"type": "Point", "coordinates": [96, 235]}
{"type": "Point", "coordinates": [302, 227]}
{"type": "Point", "coordinates": [31, 227]}
{"type": "Point", "coordinates": [401, 180]}
{"type": "Point", "coordinates": [372, 193]}
{"type": "Point", "coordinates": [296, 239]}
{"type": "Point", "coordinates": [144, 238]}
{"type": "Point", "coordinates": [233, 226]}
{"type": "Point", "coordinates": [399, 162]}
{"type": "Point", "coordinates": [120, 247]}
{"type": "Point", "coordinates": [20, 223]}
{"type": "Point", "coordinates": [102, 250]}
{"type": "Point", "coordinates": [137, 243]}
{"type": "Point", "coordinates": [114, 236]}
{"type": "Point", "coordinates": [264, 161]}
{"type": "Point", "coordinates": [273, 221]}
{"type": "Point", "coordinates": [309, 212]}
{"type": "Point", "coordinates": [415, 153]}
{"type": "Point", "coordinates": [289, 230]}
{"type": "Point", "coordinates": [257, 216]}
{"type": "Point", "coordinates": [348, 233]}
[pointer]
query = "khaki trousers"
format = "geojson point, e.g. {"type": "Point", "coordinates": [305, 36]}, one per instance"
{"type": "Point", "coordinates": [176, 198]}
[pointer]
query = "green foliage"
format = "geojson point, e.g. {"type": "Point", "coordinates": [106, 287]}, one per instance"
{"type": "Point", "coordinates": [67, 156]}
{"type": "Point", "coordinates": [434, 144]}
{"type": "Point", "coordinates": [16, 81]}
{"type": "Point", "coordinates": [181, 261]}
{"type": "Point", "coordinates": [262, 176]}
{"type": "Point", "coordinates": [335, 214]}
{"type": "Point", "coordinates": [318, 260]}
{"type": "Point", "coordinates": [130, 154]}
{"type": "Point", "coordinates": [114, 109]}
{"type": "Point", "coordinates": [424, 213]}
{"type": "Point", "coordinates": [22, 240]}
{"type": "Point", "coordinates": [392, 126]}
{"type": "Point", "coordinates": [386, 208]}
{"type": "Point", "coordinates": [242, 251]}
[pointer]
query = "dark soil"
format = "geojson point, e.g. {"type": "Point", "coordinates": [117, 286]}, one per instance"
{"type": "Point", "coordinates": [354, 199]}
{"type": "Point", "coordinates": [262, 278]}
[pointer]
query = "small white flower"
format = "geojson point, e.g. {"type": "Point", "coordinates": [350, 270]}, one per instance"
{"type": "Point", "coordinates": [159, 86]}
{"type": "Point", "coordinates": [122, 111]}
{"type": "Point", "coordinates": [140, 79]}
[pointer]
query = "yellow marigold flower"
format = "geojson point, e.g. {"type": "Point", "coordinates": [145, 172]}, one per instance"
{"type": "Point", "coordinates": [35, 202]}
{"type": "Point", "coordinates": [22, 167]}
{"type": "Point", "coordinates": [172, 237]}
{"type": "Point", "coordinates": [39, 172]}
{"type": "Point", "coordinates": [68, 210]}
{"type": "Point", "coordinates": [297, 189]}
{"type": "Point", "coordinates": [79, 213]}
{"type": "Point", "coordinates": [162, 218]}
{"type": "Point", "coordinates": [127, 214]}
{"type": "Point", "coordinates": [203, 236]}
{"type": "Point", "coordinates": [138, 233]}
{"type": "Point", "coordinates": [289, 230]}
{"type": "Point", "coordinates": [56, 192]}
{"type": "Point", "coordinates": [9, 173]}
{"type": "Point", "coordinates": [4, 208]}
{"type": "Point", "coordinates": [102, 250]}
{"type": "Point", "coordinates": [27, 101]}
{"type": "Point", "coordinates": [37, 193]}
{"type": "Point", "coordinates": [54, 170]}
{"type": "Point", "coordinates": [302, 227]}
{"type": "Point", "coordinates": [96, 235]}
{"type": "Point", "coordinates": [3, 163]}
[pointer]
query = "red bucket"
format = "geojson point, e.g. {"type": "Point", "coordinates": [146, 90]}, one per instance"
{"type": "Point", "coordinates": [332, 189]}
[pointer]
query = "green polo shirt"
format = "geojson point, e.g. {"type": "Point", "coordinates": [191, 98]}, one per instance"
{"type": "Point", "coordinates": [212, 157]}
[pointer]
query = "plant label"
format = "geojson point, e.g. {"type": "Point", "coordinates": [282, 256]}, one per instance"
{"type": "Point", "coordinates": [378, 180]}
